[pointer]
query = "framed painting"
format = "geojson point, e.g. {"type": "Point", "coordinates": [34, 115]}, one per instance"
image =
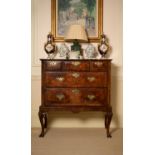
{"type": "Point", "coordinates": [88, 13]}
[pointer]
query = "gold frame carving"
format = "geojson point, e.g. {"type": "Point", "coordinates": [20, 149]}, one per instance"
{"type": "Point", "coordinates": [91, 39]}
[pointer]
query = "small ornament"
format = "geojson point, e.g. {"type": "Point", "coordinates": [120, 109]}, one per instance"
{"type": "Point", "coordinates": [63, 51]}
{"type": "Point", "coordinates": [49, 47]}
{"type": "Point", "coordinates": [90, 51]}
{"type": "Point", "coordinates": [103, 48]}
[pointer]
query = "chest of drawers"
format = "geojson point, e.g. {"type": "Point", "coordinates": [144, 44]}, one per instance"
{"type": "Point", "coordinates": [75, 85]}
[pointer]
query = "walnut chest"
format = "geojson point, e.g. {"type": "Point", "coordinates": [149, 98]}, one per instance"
{"type": "Point", "coordinates": [75, 85]}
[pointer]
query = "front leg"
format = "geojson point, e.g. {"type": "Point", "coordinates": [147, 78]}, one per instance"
{"type": "Point", "coordinates": [108, 117]}
{"type": "Point", "coordinates": [43, 122]}
{"type": "Point", "coordinates": [45, 125]}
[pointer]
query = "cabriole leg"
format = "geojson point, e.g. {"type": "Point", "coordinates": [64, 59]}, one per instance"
{"type": "Point", "coordinates": [45, 125]}
{"type": "Point", "coordinates": [108, 117]}
{"type": "Point", "coordinates": [43, 122]}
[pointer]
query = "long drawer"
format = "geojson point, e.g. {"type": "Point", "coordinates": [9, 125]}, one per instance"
{"type": "Point", "coordinates": [75, 79]}
{"type": "Point", "coordinates": [75, 96]}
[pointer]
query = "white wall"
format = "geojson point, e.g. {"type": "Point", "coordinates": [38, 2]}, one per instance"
{"type": "Point", "coordinates": [112, 27]}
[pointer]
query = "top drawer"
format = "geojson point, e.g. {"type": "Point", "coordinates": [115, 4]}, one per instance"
{"type": "Point", "coordinates": [99, 65]}
{"type": "Point", "coordinates": [76, 65]}
{"type": "Point", "coordinates": [52, 65]}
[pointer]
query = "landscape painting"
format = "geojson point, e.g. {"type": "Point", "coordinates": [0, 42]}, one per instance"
{"type": "Point", "coordinates": [85, 12]}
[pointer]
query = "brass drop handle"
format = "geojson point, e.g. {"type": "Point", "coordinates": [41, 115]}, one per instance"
{"type": "Point", "coordinates": [75, 91]}
{"type": "Point", "coordinates": [76, 63]}
{"type": "Point", "coordinates": [91, 97]}
{"type": "Point", "coordinates": [91, 79]}
{"type": "Point", "coordinates": [98, 64]}
{"type": "Point", "coordinates": [52, 63]}
{"type": "Point", "coordinates": [60, 96]}
{"type": "Point", "coordinates": [60, 79]}
{"type": "Point", "coordinates": [75, 75]}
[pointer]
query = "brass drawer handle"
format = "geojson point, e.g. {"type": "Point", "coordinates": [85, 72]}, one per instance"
{"type": "Point", "coordinates": [91, 97]}
{"type": "Point", "coordinates": [76, 75]}
{"type": "Point", "coordinates": [60, 96]}
{"type": "Point", "coordinates": [75, 91]}
{"type": "Point", "coordinates": [76, 63]}
{"type": "Point", "coordinates": [52, 63]}
{"type": "Point", "coordinates": [91, 79]}
{"type": "Point", "coordinates": [99, 64]}
{"type": "Point", "coordinates": [60, 79]}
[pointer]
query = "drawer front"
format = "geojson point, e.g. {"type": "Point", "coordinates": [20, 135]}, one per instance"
{"type": "Point", "coordinates": [75, 79]}
{"type": "Point", "coordinates": [99, 65]}
{"type": "Point", "coordinates": [94, 96]}
{"type": "Point", "coordinates": [76, 66]}
{"type": "Point", "coordinates": [56, 96]}
{"type": "Point", "coordinates": [53, 65]}
{"type": "Point", "coordinates": [75, 96]}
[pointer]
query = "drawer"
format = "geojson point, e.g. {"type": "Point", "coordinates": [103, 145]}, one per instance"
{"type": "Point", "coordinates": [75, 96]}
{"type": "Point", "coordinates": [99, 65]}
{"type": "Point", "coordinates": [75, 79]}
{"type": "Point", "coordinates": [94, 96]}
{"type": "Point", "coordinates": [76, 66]}
{"type": "Point", "coordinates": [53, 65]}
{"type": "Point", "coordinates": [56, 95]}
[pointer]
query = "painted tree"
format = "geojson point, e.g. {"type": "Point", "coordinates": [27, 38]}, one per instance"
{"type": "Point", "coordinates": [63, 4]}
{"type": "Point", "coordinates": [79, 8]}
{"type": "Point", "coordinates": [90, 5]}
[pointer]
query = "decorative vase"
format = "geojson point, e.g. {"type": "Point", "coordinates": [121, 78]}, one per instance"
{"type": "Point", "coordinates": [103, 48]}
{"type": "Point", "coordinates": [49, 47]}
{"type": "Point", "coordinates": [63, 51]}
{"type": "Point", "coordinates": [90, 52]}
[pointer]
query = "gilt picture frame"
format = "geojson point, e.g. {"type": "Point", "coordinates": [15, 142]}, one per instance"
{"type": "Point", "coordinates": [88, 13]}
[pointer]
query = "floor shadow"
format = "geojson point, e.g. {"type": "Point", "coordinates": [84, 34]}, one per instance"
{"type": "Point", "coordinates": [114, 130]}
{"type": "Point", "coordinates": [83, 116]}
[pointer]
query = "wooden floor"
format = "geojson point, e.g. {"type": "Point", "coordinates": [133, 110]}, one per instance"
{"type": "Point", "coordinates": [74, 141]}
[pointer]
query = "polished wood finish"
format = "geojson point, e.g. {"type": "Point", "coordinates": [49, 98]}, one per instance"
{"type": "Point", "coordinates": [75, 79]}
{"type": "Point", "coordinates": [75, 85]}
{"type": "Point", "coordinates": [74, 96]}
